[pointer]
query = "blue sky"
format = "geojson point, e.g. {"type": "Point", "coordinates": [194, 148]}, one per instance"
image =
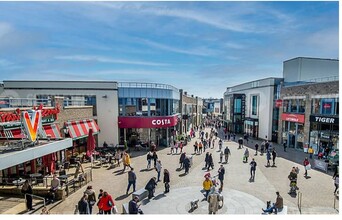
{"type": "Point", "coordinates": [201, 47]}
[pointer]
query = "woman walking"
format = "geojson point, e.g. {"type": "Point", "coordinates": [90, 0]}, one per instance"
{"type": "Point", "coordinates": [307, 166]}
{"type": "Point", "coordinates": [106, 203]}
{"type": "Point", "coordinates": [166, 181]}
{"type": "Point", "coordinates": [27, 189]}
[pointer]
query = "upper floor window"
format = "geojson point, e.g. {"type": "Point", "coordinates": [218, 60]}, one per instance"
{"type": "Point", "coordinates": [325, 106]}
{"type": "Point", "coordinates": [294, 105]}
{"type": "Point", "coordinates": [254, 105]}
{"type": "Point", "coordinates": [237, 106]}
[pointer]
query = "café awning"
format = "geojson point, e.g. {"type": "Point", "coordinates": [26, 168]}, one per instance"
{"type": "Point", "coordinates": [80, 129]}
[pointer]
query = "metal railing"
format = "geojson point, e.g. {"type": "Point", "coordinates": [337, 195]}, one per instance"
{"type": "Point", "coordinates": [146, 85]}
{"type": "Point", "coordinates": [299, 202]}
{"type": "Point", "coordinates": [37, 197]}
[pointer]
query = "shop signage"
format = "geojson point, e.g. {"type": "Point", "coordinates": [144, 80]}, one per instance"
{"type": "Point", "coordinates": [293, 118]}
{"type": "Point", "coordinates": [243, 105]}
{"type": "Point", "coordinates": [148, 122]}
{"type": "Point", "coordinates": [321, 165]}
{"type": "Point", "coordinates": [16, 116]}
{"type": "Point", "coordinates": [326, 120]}
{"type": "Point", "coordinates": [32, 124]}
{"type": "Point", "coordinates": [278, 103]}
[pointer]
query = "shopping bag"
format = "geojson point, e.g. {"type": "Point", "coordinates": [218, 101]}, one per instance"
{"type": "Point", "coordinates": [115, 210]}
{"type": "Point", "coordinates": [308, 167]}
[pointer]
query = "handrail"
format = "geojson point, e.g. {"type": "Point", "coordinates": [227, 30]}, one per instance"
{"type": "Point", "coordinates": [38, 197]}
{"type": "Point", "coordinates": [299, 202]}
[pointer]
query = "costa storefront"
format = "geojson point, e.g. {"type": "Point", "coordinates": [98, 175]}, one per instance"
{"type": "Point", "coordinates": [160, 129]}
{"type": "Point", "coordinates": [293, 130]}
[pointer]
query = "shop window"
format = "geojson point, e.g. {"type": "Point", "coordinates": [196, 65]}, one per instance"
{"type": "Point", "coordinates": [327, 106]}
{"type": "Point", "coordinates": [301, 105]}
{"type": "Point", "coordinates": [294, 105]}
{"type": "Point", "coordinates": [237, 106]}
{"type": "Point", "coordinates": [316, 106]}
{"type": "Point", "coordinates": [286, 104]}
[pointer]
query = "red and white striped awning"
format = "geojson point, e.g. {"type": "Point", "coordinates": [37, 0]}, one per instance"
{"type": "Point", "coordinates": [79, 129]}
{"type": "Point", "coordinates": [15, 133]}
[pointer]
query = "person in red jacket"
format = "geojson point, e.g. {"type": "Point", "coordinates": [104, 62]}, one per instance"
{"type": "Point", "coordinates": [106, 203]}
{"type": "Point", "coordinates": [306, 163]}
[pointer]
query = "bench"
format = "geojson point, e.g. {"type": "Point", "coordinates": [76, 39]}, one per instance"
{"type": "Point", "coordinates": [141, 193]}
{"type": "Point", "coordinates": [125, 209]}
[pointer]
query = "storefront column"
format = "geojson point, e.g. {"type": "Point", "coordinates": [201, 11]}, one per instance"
{"type": "Point", "coordinates": [167, 137]}
{"type": "Point", "coordinates": [124, 134]}
{"type": "Point", "coordinates": [296, 137]}
{"type": "Point", "coordinates": [33, 166]}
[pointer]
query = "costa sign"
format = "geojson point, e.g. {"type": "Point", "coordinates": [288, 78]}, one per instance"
{"type": "Point", "coordinates": [293, 118]}
{"type": "Point", "coordinates": [148, 122]}
{"type": "Point", "coordinates": [16, 115]}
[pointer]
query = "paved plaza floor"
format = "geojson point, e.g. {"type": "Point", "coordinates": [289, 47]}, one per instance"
{"type": "Point", "coordinates": [241, 196]}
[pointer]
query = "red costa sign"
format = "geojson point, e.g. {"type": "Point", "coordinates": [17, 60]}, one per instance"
{"type": "Point", "coordinates": [148, 122]}
{"type": "Point", "coordinates": [293, 118]}
{"type": "Point", "coordinates": [15, 116]}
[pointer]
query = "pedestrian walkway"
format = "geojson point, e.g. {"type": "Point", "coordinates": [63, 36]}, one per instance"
{"type": "Point", "coordinates": [178, 202]}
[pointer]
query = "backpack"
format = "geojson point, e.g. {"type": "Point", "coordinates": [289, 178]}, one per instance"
{"type": "Point", "coordinates": [226, 151]}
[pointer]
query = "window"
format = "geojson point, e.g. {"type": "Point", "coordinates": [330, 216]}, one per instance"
{"type": "Point", "coordinates": [286, 104]}
{"type": "Point", "coordinates": [301, 105]}
{"type": "Point", "coordinates": [237, 106]}
{"type": "Point", "coordinates": [327, 106]}
{"type": "Point", "coordinates": [254, 105]}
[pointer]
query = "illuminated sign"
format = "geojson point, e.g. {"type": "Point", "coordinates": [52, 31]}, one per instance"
{"type": "Point", "coordinates": [33, 124]}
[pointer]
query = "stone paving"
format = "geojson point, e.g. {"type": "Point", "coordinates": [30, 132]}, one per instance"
{"type": "Point", "coordinates": [317, 191]}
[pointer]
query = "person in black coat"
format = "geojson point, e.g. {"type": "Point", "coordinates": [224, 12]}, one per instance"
{"type": "Point", "coordinates": [181, 160]}
{"type": "Point", "coordinates": [210, 162]}
{"type": "Point", "coordinates": [150, 186]}
{"type": "Point", "coordinates": [186, 165]}
{"type": "Point", "coordinates": [155, 157]}
{"type": "Point", "coordinates": [206, 160]}
{"type": "Point", "coordinates": [221, 173]}
{"type": "Point", "coordinates": [133, 207]}
{"type": "Point", "coordinates": [27, 189]}
{"type": "Point", "coordinates": [83, 205]}
{"type": "Point", "coordinates": [166, 180]}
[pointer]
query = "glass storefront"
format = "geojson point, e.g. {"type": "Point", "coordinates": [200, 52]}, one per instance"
{"type": "Point", "coordinates": [293, 134]}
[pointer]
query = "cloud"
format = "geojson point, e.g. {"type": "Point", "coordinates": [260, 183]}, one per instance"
{"type": "Point", "coordinates": [195, 51]}
{"type": "Point", "coordinates": [233, 45]}
{"type": "Point", "coordinates": [5, 28]}
{"type": "Point", "coordinates": [103, 59]}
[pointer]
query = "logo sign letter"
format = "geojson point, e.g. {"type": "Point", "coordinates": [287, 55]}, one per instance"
{"type": "Point", "coordinates": [32, 125]}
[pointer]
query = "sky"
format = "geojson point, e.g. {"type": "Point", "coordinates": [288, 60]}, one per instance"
{"type": "Point", "coordinates": [200, 47]}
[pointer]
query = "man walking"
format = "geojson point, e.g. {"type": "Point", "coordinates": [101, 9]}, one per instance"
{"type": "Point", "coordinates": [131, 180]}
{"type": "Point", "coordinates": [158, 169]}
{"type": "Point", "coordinates": [253, 165]}
{"type": "Point", "coordinates": [221, 173]}
{"type": "Point", "coordinates": [226, 154]}
{"type": "Point", "coordinates": [274, 155]}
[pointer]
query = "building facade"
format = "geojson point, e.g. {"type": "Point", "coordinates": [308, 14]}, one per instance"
{"type": "Point", "coordinates": [250, 108]}
{"type": "Point", "coordinates": [101, 96]}
{"type": "Point", "coordinates": [148, 112]}
{"type": "Point", "coordinates": [309, 104]}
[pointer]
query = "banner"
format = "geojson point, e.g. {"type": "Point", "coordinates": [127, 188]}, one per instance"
{"type": "Point", "coordinates": [148, 122]}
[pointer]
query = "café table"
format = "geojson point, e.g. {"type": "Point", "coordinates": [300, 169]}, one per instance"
{"type": "Point", "coordinates": [19, 182]}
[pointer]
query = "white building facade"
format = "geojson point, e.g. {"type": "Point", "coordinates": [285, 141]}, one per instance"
{"type": "Point", "coordinates": [250, 108]}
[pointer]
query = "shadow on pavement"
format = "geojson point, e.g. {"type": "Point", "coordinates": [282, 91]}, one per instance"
{"type": "Point", "coordinates": [178, 169]}
{"type": "Point", "coordinates": [183, 174]}
{"type": "Point", "coordinates": [159, 196]}
{"type": "Point", "coordinates": [124, 196]}
{"type": "Point", "coordinates": [146, 170]}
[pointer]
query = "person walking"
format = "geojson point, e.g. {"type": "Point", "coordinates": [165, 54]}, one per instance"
{"type": "Point", "coordinates": [256, 149]}
{"type": "Point", "coordinates": [221, 156]}
{"type": "Point", "coordinates": [158, 169]}
{"type": "Point", "coordinates": [200, 147]}
{"type": "Point", "coordinates": [262, 148]}
{"type": "Point", "coordinates": [181, 160]}
{"type": "Point", "coordinates": [268, 157]}
{"type": "Point", "coordinates": [150, 187]}
{"type": "Point", "coordinates": [246, 155]}
{"type": "Point", "coordinates": [186, 165]}
{"type": "Point", "coordinates": [126, 161]}
{"type": "Point", "coordinates": [307, 166]}
{"type": "Point", "coordinates": [27, 190]}
{"type": "Point", "coordinates": [226, 154]}
{"type": "Point", "coordinates": [213, 143]}
{"type": "Point", "coordinates": [207, 184]}
{"type": "Point", "coordinates": [310, 151]}
{"type": "Point", "coordinates": [106, 203]}
{"type": "Point", "coordinates": [240, 141]}
{"type": "Point", "coordinates": [210, 161]}
{"type": "Point", "coordinates": [83, 205]}
{"type": "Point", "coordinates": [285, 146]}
{"type": "Point", "coordinates": [221, 173]}
{"type": "Point", "coordinates": [181, 147]}
{"type": "Point", "coordinates": [91, 198]}
{"type": "Point", "coordinates": [155, 158]}
{"type": "Point", "coordinates": [267, 145]}
{"type": "Point", "coordinates": [220, 144]}
{"type": "Point", "coordinates": [133, 207]}
{"type": "Point", "coordinates": [253, 165]}
{"type": "Point", "coordinates": [336, 183]}
{"type": "Point", "coordinates": [206, 160]}
{"type": "Point", "coordinates": [209, 142]}
{"type": "Point", "coordinates": [132, 177]}
{"type": "Point", "coordinates": [99, 197]}
{"type": "Point", "coordinates": [166, 181]}
{"type": "Point", "coordinates": [274, 155]}
{"type": "Point", "coordinates": [149, 159]}
{"type": "Point", "coordinates": [195, 147]}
